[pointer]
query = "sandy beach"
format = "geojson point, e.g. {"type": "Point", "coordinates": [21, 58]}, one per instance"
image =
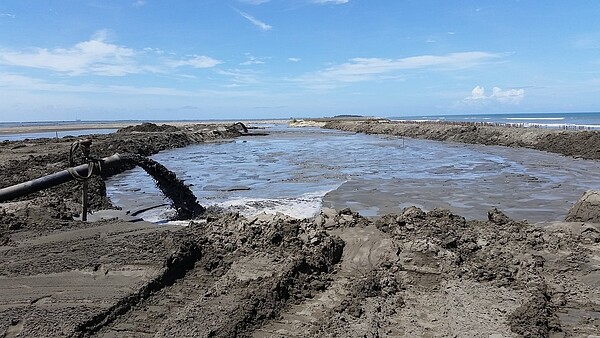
{"type": "Point", "coordinates": [411, 273]}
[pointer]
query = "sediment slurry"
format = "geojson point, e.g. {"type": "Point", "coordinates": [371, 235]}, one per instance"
{"type": "Point", "coordinates": [182, 198]}
{"type": "Point", "coordinates": [575, 143]}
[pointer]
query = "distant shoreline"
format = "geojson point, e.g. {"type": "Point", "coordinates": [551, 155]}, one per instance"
{"type": "Point", "coordinates": [69, 126]}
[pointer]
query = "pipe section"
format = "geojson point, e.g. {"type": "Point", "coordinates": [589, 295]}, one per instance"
{"type": "Point", "coordinates": [53, 180]}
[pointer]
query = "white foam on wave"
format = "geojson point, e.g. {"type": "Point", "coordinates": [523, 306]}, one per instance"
{"type": "Point", "coordinates": [304, 206]}
{"type": "Point", "coordinates": [536, 118]}
{"type": "Point", "coordinates": [425, 120]}
{"type": "Point", "coordinates": [562, 125]}
{"type": "Point", "coordinates": [157, 215]}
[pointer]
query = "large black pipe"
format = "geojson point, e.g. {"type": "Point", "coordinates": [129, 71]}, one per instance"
{"type": "Point", "coordinates": [55, 179]}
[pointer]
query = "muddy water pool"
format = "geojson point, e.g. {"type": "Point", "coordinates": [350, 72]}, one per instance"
{"type": "Point", "coordinates": [296, 171]}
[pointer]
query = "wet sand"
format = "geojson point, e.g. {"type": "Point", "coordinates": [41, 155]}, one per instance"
{"type": "Point", "coordinates": [224, 275]}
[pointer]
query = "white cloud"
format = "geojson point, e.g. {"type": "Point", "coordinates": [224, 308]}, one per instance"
{"type": "Point", "coordinates": [252, 60]}
{"type": "Point", "coordinates": [12, 82]}
{"type": "Point", "coordinates": [94, 56]}
{"type": "Point", "coordinates": [332, 2]}
{"type": "Point", "coordinates": [240, 76]}
{"type": "Point", "coordinates": [294, 59]}
{"type": "Point", "coordinates": [196, 61]}
{"type": "Point", "coordinates": [511, 96]}
{"type": "Point", "coordinates": [254, 2]}
{"type": "Point", "coordinates": [139, 3]}
{"type": "Point", "coordinates": [368, 69]}
{"type": "Point", "coordinates": [586, 42]}
{"type": "Point", "coordinates": [261, 25]}
{"type": "Point", "coordinates": [7, 15]}
{"type": "Point", "coordinates": [478, 93]}
{"type": "Point", "coordinates": [157, 51]}
{"type": "Point", "coordinates": [99, 57]}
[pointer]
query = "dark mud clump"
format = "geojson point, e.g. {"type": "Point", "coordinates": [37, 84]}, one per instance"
{"type": "Point", "coordinates": [537, 317]}
{"type": "Point", "coordinates": [587, 208]}
{"type": "Point", "coordinates": [148, 127]}
{"type": "Point", "coordinates": [183, 199]}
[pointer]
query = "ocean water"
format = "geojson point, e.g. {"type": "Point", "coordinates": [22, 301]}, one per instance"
{"type": "Point", "coordinates": [293, 171]}
{"type": "Point", "coordinates": [588, 120]}
{"type": "Point", "coordinates": [58, 123]}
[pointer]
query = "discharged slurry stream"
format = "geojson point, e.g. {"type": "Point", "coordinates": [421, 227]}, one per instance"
{"type": "Point", "coordinates": [183, 199]}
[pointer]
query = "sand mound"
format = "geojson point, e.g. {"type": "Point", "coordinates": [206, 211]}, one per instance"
{"type": "Point", "coordinates": [148, 127]}
{"type": "Point", "coordinates": [587, 208]}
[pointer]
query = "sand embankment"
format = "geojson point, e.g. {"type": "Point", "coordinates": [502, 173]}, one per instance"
{"type": "Point", "coordinates": [575, 143]}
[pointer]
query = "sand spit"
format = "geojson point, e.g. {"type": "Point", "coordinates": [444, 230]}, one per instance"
{"type": "Point", "coordinates": [581, 144]}
{"type": "Point", "coordinates": [410, 274]}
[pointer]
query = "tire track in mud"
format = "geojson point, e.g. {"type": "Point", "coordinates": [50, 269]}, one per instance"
{"type": "Point", "coordinates": [229, 292]}
{"type": "Point", "coordinates": [175, 267]}
{"type": "Point", "coordinates": [204, 304]}
{"type": "Point", "coordinates": [148, 317]}
{"type": "Point", "coordinates": [364, 250]}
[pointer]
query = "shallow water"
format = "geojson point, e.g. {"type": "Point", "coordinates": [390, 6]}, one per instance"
{"type": "Point", "coordinates": [296, 171]}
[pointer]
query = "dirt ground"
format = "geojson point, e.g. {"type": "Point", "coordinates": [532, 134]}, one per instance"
{"type": "Point", "coordinates": [417, 273]}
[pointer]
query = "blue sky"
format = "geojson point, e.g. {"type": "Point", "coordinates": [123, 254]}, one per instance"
{"type": "Point", "coordinates": [220, 59]}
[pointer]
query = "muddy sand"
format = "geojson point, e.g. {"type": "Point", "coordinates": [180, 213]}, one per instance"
{"type": "Point", "coordinates": [410, 274]}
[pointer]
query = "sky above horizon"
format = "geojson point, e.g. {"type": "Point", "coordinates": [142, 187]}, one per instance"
{"type": "Point", "coordinates": [230, 59]}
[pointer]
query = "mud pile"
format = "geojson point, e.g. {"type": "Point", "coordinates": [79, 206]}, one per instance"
{"type": "Point", "coordinates": [414, 274]}
{"type": "Point", "coordinates": [587, 208]}
{"type": "Point", "coordinates": [220, 277]}
{"type": "Point", "coordinates": [583, 144]}
{"type": "Point", "coordinates": [444, 276]}
{"type": "Point", "coordinates": [148, 127]}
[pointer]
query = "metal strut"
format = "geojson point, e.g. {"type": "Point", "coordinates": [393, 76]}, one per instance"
{"type": "Point", "coordinates": [84, 145]}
